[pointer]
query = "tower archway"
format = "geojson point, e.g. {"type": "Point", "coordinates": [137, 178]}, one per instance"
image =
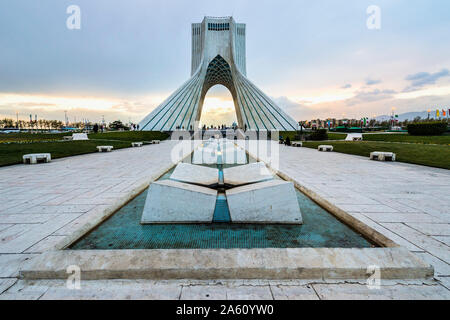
{"type": "Point", "coordinates": [218, 57]}
{"type": "Point", "coordinates": [218, 108]}
{"type": "Point", "coordinates": [219, 73]}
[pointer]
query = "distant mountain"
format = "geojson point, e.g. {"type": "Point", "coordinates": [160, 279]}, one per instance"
{"type": "Point", "coordinates": [409, 116]}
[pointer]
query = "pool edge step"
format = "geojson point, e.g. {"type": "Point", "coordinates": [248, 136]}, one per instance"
{"type": "Point", "coordinates": [299, 263]}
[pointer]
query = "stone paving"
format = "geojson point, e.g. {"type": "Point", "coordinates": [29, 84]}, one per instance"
{"type": "Point", "coordinates": [407, 203]}
{"type": "Point", "coordinates": [42, 204]}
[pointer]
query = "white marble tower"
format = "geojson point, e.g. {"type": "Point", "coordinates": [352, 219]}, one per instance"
{"type": "Point", "coordinates": [218, 57]}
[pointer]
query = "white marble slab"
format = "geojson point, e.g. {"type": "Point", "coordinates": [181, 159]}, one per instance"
{"type": "Point", "coordinates": [205, 154]}
{"type": "Point", "coordinates": [245, 174]}
{"type": "Point", "coordinates": [266, 202]}
{"type": "Point", "coordinates": [176, 202]}
{"type": "Point", "coordinates": [233, 155]}
{"type": "Point", "coordinates": [185, 172]}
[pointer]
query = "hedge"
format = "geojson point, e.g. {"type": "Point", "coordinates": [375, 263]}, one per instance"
{"type": "Point", "coordinates": [318, 135]}
{"type": "Point", "coordinates": [430, 128]}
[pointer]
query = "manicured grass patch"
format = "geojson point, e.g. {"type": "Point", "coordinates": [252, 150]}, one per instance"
{"type": "Point", "coordinates": [131, 136]}
{"type": "Point", "coordinates": [12, 153]}
{"type": "Point", "coordinates": [331, 135]}
{"type": "Point", "coordinates": [28, 137]}
{"type": "Point", "coordinates": [336, 136]}
{"type": "Point", "coordinates": [444, 139]}
{"type": "Point", "coordinates": [427, 155]}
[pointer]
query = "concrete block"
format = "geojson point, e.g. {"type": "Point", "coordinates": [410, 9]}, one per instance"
{"type": "Point", "coordinates": [185, 172]}
{"type": "Point", "coordinates": [105, 148]}
{"type": "Point", "coordinates": [382, 156]}
{"type": "Point", "coordinates": [137, 144]}
{"type": "Point", "coordinates": [297, 144]}
{"type": "Point", "coordinates": [176, 202]}
{"type": "Point", "coordinates": [266, 202]}
{"type": "Point", "coordinates": [249, 173]}
{"type": "Point", "coordinates": [325, 148]}
{"type": "Point", "coordinates": [33, 158]}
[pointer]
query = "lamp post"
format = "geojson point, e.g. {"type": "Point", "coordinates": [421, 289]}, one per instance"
{"type": "Point", "coordinates": [429, 111]}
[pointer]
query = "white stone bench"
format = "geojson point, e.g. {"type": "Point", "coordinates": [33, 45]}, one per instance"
{"type": "Point", "coordinates": [137, 144]}
{"type": "Point", "coordinates": [156, 141]}
{"type": "Point", "coordinates": [297, 144]}
{"type": "Point", "coordinates": [35, 157]}
{"type": "Point", "coordinates": [325, 148]}
{"type": "Point", "coordinates": [354, 137]}
{"type": "Point", "coordinates": [67, 138]}
{"type": "Point", "coordinates": [382, 156]}
{"type": "Point", "coordinates": [105, 148]}
{"type": "Point", "coordinates": [79, 136]}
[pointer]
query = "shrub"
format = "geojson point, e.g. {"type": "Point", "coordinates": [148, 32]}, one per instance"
{"type": "Point", "coordinates": [318, 135]}
{"type": "Point", "coordinates": [429, 128]}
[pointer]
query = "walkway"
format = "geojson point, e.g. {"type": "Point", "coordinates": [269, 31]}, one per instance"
{"type": "Point", "coordinates": [43, 204]}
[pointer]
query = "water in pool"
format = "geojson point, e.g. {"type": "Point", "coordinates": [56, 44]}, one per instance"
{"type": "Point", "coordinates": [123, 230]}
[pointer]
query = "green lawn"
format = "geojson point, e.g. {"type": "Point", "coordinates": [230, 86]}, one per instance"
{"type": "Point", "coordinates": [331, 135]}
{"type": "Point", "coordinates": [427, 155]}
{"type": "Point", "coordinates": [132, 136]}
{"type": "Point", "coordinates": [29, 137]}
{"type": "Point", "coordinates": [14, 146]}
{"type": "Point", "coordinates": [444, 139]}
{"type": "Point", "coordinates": [12, 153]}
{"type": "Point", "coordinates": [336, 136]}
{"type": "Point", "coordinates": [113, 135]}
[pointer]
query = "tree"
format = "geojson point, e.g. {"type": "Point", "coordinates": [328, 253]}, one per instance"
{"type": "Point", "coordinates": [116, 125]}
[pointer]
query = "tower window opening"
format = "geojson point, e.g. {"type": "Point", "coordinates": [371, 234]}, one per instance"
{"type": "Point", "coordinates": [218, 26]}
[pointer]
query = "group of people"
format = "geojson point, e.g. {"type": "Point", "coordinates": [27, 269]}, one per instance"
{"type": "Point", "coordinates": [97, 128]}
{"type": "Point", "coordinates": [221, 127]}
{"type": "Point", "coordinates": [204, 128]}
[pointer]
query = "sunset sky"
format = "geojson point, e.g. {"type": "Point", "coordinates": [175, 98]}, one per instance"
{"type": "Point", "coordinates": [316, 59]}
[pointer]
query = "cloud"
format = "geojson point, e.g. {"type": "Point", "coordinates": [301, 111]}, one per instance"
{"type": "Point", "coordinates": [299, 111]}
{"type": "Point", "coordinates": [347, 86]}
{"type": "Point", "coordinates": [53, 107]}
{"type": "Point", "coordinates": [371, 82]}
{"type": "Point", "coordinates": [371, 96]}
{"type": "Point", "coordinates": [29, 104]}
{"type": "Point", "coordinates": [421, 79]}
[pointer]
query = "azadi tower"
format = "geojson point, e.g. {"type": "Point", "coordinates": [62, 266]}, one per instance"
{"type": "Point", "coordinates": [218, 57]}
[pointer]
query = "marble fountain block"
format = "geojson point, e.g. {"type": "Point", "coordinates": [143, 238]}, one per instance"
{"type": "Point", "coordinates": [206, 154]}
{"type": "Point", "coordinates": [177, 202]}
{"type": "Point", "coordinates": [233, 155]}
{"type": "Point", "coordinates": [246, 174]}
{"type": "Point", "coordinates": [267, 202]}
{"type": "Point", "coordinates": [185, 172]}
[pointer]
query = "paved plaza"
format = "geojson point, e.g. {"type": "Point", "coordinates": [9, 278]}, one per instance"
{"type": "Point", "coordinates": [43, 204]}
